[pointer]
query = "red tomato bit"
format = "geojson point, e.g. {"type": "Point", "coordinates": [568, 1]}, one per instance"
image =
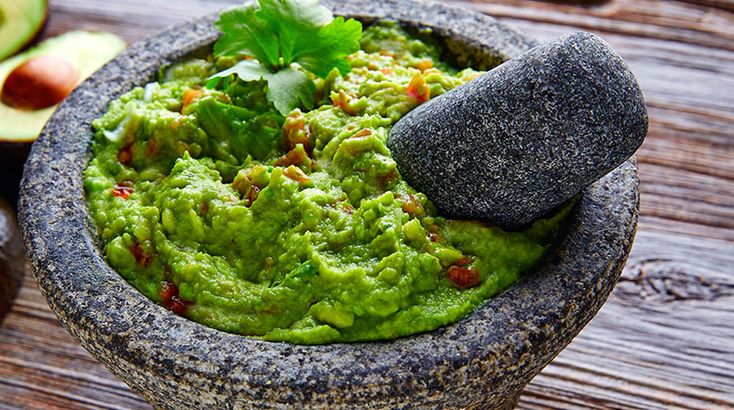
{"type": "Point", "coordinates": [342, 101]}
{"type": "Point", "coordinates": [125, 156]}
{"type": "Point", "coordinates": [385, 180]}
{"type": "Point", "coordinates": [464, 261]}
{"type": "Point", "coordinates": [167, 292]}
{"type": "Point", "coordinates": [418, 89]}
{"type": "Point", "coordinates": [152, 147]}
{"type": "Point", "coordinates": [123, 189]}
{"type": "Point", "coordinates": [179, 306]}
{"type": "Point", "coordinates": [171, 300]}
{"type": "Point", "coordinates": [141, 257]}
{"type": "Point", "coordinates": [347, 208]}
{"type": "Point", "coordinates": [297, 175]}
{"type": "Point", "coordinates": [189, 96]}
{"type": "Point", "coordinates": [252, 194]}
{"type": "Point", "coordinates": [296, 131]}
{"type": "Point", "coordinates": [462, 277]}
{"type": "Point", "coordinates": [361, 134]}
{"type": "Point", "coordinates": [412, 206]}
{"type": "Point", "coordinates": [292, 157]}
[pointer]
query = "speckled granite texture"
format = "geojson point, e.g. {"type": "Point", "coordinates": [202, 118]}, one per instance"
{"type": "Point", "coordinates": [481, 362]}
{"type": "Point", "coordinates": [521, 140]}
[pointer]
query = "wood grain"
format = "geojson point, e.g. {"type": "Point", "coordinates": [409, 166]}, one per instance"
{"type": "Point", "coordinates": [664, 339]}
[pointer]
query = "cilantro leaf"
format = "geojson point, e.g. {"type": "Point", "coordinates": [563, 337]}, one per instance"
{"type": "Point", "coordinates": [329, 48]}
{"type": "Point", "coordinates": [244, 33]}
{"type": "Point", "coordinates": [281, 32]}
{"type": "Point", "coordinates": [288, 88]}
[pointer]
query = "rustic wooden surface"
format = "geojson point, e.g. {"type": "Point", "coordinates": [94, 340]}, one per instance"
{"type": "Point", "coordinates": [664, 340]}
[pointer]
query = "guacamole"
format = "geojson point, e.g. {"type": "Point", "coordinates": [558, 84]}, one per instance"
{"type": "Point", "coordinates": [293, 228]}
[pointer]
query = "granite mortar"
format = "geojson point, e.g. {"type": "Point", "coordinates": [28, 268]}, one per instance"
{"type": "Point", "coordinates": [481, 362]}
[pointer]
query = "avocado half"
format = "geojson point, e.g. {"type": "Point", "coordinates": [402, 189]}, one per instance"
{"type": "Point", "coordinates": [20, 22]}
{"type": "Point", "coordinates": [86, 52]}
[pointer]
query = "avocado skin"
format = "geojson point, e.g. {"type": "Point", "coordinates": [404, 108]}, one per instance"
{"type": "Point", "coordinates": [12, 158]}
{"type": "Point", "coordinates": [12, 259]}
{"type": "Point", "coordinates": [32, 37]}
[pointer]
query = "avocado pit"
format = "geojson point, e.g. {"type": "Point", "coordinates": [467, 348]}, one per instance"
{"type": "Point", "coordinates": [38, 83]}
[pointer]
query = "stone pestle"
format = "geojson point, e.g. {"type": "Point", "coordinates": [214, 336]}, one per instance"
{"type": "Point", "coordinates": [522, 139]}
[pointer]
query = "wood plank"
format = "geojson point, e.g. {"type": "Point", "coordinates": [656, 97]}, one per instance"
{"type": "Point", "coordinates": [684, 22]}
{"type": "Point", "coordinates": [661, 342]}
{"type": "Point", "coordinates": [41, 366]}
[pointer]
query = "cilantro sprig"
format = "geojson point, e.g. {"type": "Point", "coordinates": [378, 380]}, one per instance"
{"type": "Point", "coordinates": [286, 37]}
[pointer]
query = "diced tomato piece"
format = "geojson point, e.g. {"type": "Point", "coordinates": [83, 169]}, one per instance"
{"type": "Point", "coordinates": [464, 261]}
{"type": "Point", "coordinates": [412, 206]}
{"type": "Point", "coordinates": [125, 156]}
{"type": "Point", "coordinates": [152, 147]}
{"type": "Point", "coordinates": [189, 96]}
{"type": "Point", "coordinates": [292, 157]}
{"type": "Point", "coordinates": [171, 300]}
{"type": "Point", "coordinates": [167, 292]}
{"type": "Point", "coordinates": [418, 89]}
{"type": "Point", "coordinates": [141, 257]}
{"type": "Point", "coordinates": [296, 174]}
{"type": "Point", "coordinates": [123, 189]}
{"type": "Point", "coordinates": [347, 208]}
{"type": "Point", "coordinates": [364, 132]}
{"type": "Point", "coordinates": [434, 233]}
{"type": "Point", "coordinates": [179, 306]}
{"type": "Point", "coordinates": [296, 131]}
{"type": "Point", "coordinates": [387, 179]}
{"type": "Point", "coordinates": [342, 100]}
{"type": "Point", "coordinates": [462, 277]}
{"type": "Point", "coordinates": [242, 183]}
{"type": "Point", "coordinates": [252, 194]}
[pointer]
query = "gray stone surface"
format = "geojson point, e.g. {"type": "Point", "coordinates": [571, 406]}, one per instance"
{"type": "Point", "coordinates": [481, 362]}
{"type": "Point", "coordinates": [524, 138]}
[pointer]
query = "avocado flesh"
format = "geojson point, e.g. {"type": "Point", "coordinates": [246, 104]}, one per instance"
{"type": "Point", "coordinates": [86, 51]}
{"type": "Point", "coordinates": [20, 21]}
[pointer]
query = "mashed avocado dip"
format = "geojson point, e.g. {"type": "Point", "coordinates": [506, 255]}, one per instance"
{"type": "Point", "coordinates": [295, 228]}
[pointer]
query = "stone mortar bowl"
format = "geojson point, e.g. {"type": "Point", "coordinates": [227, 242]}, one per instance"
{"type": "Point", "coordinates": [483, 361]}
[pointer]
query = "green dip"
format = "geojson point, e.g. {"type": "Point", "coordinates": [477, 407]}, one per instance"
{"type": "Point", "coordinates": [295, 229]}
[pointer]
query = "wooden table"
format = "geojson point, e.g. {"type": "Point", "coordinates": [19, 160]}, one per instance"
{"type": "Point", "coordinates": [664, 340]}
